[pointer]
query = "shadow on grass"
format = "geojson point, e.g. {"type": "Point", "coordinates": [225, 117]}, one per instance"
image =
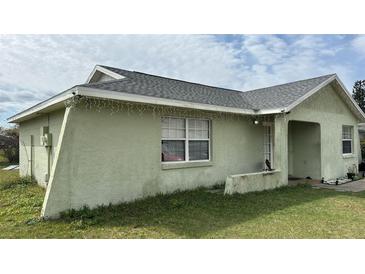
{"type": "Point", "coordinates": [198, 213]}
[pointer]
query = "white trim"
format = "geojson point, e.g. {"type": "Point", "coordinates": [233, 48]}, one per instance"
{"type": "Point", "coordinates": [348, 139]}
{"type": "Point", "coordinates": [43, 105]}
{"type": "Point", "coordinates": [106, 71]}
{"type": "Point", "coordinates": [270, 127]}
{"type": "Point", "coordinates": [270, 111]}
{"type": "Point", "coordinates": [186, 141]}
{"type": "Point", "coordinates": [123, 96]}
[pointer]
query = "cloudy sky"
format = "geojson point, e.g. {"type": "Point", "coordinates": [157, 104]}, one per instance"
{"type": "Point", "coordinates": [34, 67]}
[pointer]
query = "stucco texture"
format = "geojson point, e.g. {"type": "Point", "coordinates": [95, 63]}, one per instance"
{"type": "Point", "coordinates": [33, 158]}
{"type": "Point", "coordinates": [243, 183]}
{"type": "Point", "coordinates": [106, 158]}
{"type": "Point", "coordinates": [328, 110]}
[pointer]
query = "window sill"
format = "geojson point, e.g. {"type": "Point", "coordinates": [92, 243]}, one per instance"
{"type": "Point", "coordinates": [348, 156]}
{"type": "Point", "coordinates": [166, 166]}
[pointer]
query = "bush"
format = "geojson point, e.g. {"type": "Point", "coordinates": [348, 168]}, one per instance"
{"type": "Point", "coordinates": [9, 144]}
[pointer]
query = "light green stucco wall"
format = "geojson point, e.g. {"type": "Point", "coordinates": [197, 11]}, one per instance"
{"type": "Point", "coordinates": [107, 158]}
{"type": "Point", "coordinates": [327, 108]}
{"type": "Point", "coordinates": [38, 153]}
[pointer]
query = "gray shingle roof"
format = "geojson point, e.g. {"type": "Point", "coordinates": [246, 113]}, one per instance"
{"type": "Point", "coordinates": [284, 95]}
{"type": "Point", "coordinates": [279, 96]}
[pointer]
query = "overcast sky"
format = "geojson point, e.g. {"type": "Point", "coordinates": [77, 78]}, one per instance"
{"type": "Point", "coordinates": [34, 67]}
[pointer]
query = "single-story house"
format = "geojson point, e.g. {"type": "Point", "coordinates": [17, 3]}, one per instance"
{"type": "Point", "coordinates": [125, 135]}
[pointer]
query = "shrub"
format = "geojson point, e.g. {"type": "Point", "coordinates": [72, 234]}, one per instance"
{"type": "Point", "coordinates": [9, 143]}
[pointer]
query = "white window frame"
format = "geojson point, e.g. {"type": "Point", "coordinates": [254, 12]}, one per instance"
{"type": "Point", "coordinates": [270, 126]}
{"type": "Point", "coordinates": [346, 139]}
{"type": "Point", "coordinates": [187, 139]}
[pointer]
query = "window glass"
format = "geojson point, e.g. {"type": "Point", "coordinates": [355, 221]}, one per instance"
{"type": "Point", "coordinates": [198, 150]}
{"type": "Point", "coordinates": [346, 147]}
{"type": "Point", "coordinates": [347, 139]}
{"type": "Point", "coordinates": [173, 128]}
{"type": "Point", "coordinates": [347, 132]}
{"type": "Point", "coordinates": [198, 129]}
{"type": "Point", "coordinates": [173, 150]}
{"type": "Point", "coordinates": [178, 141]}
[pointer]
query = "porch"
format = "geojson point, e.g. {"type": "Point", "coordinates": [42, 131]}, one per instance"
{"type": "Point", "coordinates": [292, 153]}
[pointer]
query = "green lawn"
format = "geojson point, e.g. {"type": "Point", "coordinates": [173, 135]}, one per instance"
{"type": "Point", "coordinates": [291, 212]}
{"type": "Point", "coordinates": [3, 160]}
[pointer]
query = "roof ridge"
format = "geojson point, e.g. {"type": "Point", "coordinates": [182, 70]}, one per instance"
{"type": "Point", "coordinates": [189, 82]}
{"type": "Point", "coordinates": [169, 78]}
{"type": "Point", "coordinates": [297, 81]}
{"type": "Point", "coordinates": [210, 86]}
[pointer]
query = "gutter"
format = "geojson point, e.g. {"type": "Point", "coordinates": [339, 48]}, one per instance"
{"type": "Point", "coordinates": [36, 109]}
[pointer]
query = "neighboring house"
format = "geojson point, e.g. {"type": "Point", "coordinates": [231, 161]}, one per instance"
{"type": "Point", "coordinates": [362, 140]}
{"type": "Point", "coordinates": [362, 133]}
{"type": "Point", "coordinates": [126, 135]}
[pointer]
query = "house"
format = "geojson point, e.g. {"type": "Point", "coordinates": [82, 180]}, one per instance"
{"type": "Point", "coordinates": [125, 135]}
{"type": "Point", "coordinates": [362, 133]}
{"type": "Point", "coordinates": [361, 128]}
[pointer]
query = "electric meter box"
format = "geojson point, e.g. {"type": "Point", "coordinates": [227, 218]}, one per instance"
{"type": "Point", "coordinates": [46, 137]}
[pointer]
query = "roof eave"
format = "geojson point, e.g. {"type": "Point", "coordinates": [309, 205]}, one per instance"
{"type": "Point", "coordinates": [49, 104]}
{"type": "Point", "coordinates": [123, 96]}
{"type": "Point", "coordinates": [42, 106]}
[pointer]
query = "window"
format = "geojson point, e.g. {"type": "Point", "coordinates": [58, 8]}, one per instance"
{"type": "Point", "coordinates": [268, 145]}
{"type": "Point", "coordinates": [347, 132]}
{"type": "Point", "coordinates": [185, 139]}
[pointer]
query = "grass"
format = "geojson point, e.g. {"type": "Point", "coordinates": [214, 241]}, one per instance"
{"type": "Point", "coordinates": [290, 212]}
{"type": "Point", "coordinates": [3, 160]}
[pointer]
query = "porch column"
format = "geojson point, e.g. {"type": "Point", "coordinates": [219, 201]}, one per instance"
{"type": "Point", "coordinates": [281, 146]}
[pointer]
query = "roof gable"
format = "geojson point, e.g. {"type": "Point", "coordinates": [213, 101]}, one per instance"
{"type": "Point", "coordinates": [101, 74]}
{"type": "Point", "coordinates": [285, 95]}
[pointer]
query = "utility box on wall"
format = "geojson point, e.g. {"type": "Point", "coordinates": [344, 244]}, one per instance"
{"type": "Point", "coordinates": [46, 137]}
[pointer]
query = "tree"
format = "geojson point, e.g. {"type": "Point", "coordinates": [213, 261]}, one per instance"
{"type": "Point", "coordinates": [358, 93]}
{"type": "Point", "coordinates": [9, 143]}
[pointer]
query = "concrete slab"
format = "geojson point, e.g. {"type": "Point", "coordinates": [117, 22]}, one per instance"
{"type": "Point", "coordinates": [355, 186]}
{"type": "Point", "coordinates": [11, 167]}
{"type": "Point", "coordinates": [299, 181]}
